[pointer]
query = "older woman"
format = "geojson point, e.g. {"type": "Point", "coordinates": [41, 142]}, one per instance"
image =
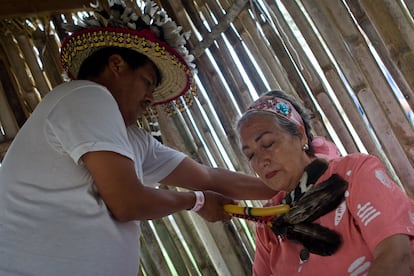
{"type": "Point", "coordinates": [370, 232]}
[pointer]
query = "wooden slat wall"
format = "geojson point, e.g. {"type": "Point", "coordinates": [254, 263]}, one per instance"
{"type": "Point", "coordinates": [336, 76]}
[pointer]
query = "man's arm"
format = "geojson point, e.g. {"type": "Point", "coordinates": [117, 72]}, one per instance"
{"type": "Point", "coordinates": [191, 175]}
{"type": "Point", "coordinates": [128, 199]}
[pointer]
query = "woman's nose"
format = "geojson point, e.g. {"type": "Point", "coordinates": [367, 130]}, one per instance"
{"type": "Point", "coordinates": [262, 161]}
{"type": "Point", "coordinates": [265, 162]}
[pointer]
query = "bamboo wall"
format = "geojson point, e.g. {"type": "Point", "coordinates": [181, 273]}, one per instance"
{"type": "Point", "coordinates": [350, 62]}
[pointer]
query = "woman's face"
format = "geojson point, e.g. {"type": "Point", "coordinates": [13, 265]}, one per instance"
{"type": "Point", "coordinates": [275, 155]}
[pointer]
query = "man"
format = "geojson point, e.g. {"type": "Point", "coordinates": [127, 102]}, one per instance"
{"type": "Point", "coordinates": [72, 183]}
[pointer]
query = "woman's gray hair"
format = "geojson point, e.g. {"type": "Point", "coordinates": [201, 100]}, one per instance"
{"type": "Point", "coordinates": [284, 123]}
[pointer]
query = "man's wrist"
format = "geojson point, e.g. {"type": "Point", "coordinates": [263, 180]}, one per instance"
{"type": "Point", "coordinates": [199, 202]}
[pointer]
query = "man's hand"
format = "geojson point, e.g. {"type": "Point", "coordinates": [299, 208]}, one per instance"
{"type": "Point", "coordinates": [213, 209]}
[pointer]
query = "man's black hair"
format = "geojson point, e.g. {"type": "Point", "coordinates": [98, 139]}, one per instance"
{"type": "Point", "coordinates": [93, 65]}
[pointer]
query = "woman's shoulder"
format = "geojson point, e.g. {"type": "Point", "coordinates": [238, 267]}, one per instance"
{"type": "Point", "coordinates": [358, 167]}
{"type": "Point", "coordinates": [353, 160]}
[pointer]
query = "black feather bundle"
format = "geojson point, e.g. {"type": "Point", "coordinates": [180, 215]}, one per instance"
{"type": "Point", "coordinates": [318, 200]}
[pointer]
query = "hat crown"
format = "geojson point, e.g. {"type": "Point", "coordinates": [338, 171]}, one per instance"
{"type": "Point", "coordinates": [128, 15]}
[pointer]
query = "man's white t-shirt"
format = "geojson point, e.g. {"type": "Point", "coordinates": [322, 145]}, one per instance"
{"type": "Point", "coordinates": [153, 160]}
{"type": "Point", "coordinates": [52, 219]}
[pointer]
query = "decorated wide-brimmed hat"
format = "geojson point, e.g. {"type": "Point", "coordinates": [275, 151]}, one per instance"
{"type": "Point", "coordinates": [147, 30]}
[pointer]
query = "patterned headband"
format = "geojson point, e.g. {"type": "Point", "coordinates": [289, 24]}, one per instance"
{"type": "Point", "coordinates": [278, 106]}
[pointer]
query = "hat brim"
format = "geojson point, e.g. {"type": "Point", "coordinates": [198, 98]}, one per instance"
{"type": "Point", "coordinates": [176, 76]}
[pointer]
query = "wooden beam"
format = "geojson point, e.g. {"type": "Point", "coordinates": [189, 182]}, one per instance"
{"type": "Point", "coordinates": [14, 8]}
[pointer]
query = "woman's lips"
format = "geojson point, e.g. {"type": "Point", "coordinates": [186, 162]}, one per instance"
{"type": "Point", "coordinates": [270, 174]}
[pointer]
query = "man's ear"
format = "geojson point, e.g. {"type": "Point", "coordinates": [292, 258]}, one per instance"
{"type": "Point", "coordinates": [116, 64]}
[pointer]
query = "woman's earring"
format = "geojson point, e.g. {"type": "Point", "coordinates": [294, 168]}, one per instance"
{"type": "Point", "coordinates": [305, 147]}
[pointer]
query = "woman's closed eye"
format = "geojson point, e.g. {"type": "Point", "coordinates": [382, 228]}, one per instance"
{"type": "Point", "coordinates": [249, 157]}
{"type": "Point", "coordinates": [268, 145]}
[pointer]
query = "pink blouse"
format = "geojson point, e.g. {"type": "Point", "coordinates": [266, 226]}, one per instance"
{"type": "Point", "coordinates": [374, 209]}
